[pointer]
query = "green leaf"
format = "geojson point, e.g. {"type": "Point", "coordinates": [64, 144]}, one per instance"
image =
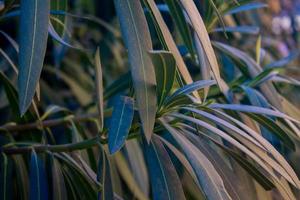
{"type": "Point", "coordinates": [99, 88]}
{"type": "Point", "coordinates": [164, 179]}
{"type": "Point", "coordinates": [178, 16]}
{"type": "Point", "coordinates": [34, 22]}
{"type": "Point", "coordinates": [208, 178]}
{"type": "Point", "coordinates": [169, 42]}
{"type": "Point", "coordinates": [165, 69]}
{"type": "Point", "coordinates": [37, 178]}
{"type": "Point", "coordinates": [120, 123]}
{"type": "Point", "coordinates": [138, 41]}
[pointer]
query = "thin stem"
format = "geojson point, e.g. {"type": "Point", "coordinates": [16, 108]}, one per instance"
{"type": "Point", "coordinates": [51, 122]}
{"type": "Point", "coordinates": [61, 147]}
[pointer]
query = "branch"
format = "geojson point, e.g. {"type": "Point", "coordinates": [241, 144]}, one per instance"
{"type": "Point", "coordinates": [51, 122]}
{"type": "Point", "coordinates": [61, 147]}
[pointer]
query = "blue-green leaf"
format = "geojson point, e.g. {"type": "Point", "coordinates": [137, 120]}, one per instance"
{"type": "Point", "coordinates": [138, 41]}
{"type": "Point", "coordinates": [5, 177]}
{"type": "Point", "coordinates": [240, 29]}
{"type": "Point", "coordinates": [246, 7]}
{"type": "Point", "coordinates": [38, 179]}
{"type": "Point", "coordinates": [34, 22]}
{"type": "Point", "coordinates": [164, 179]}
{"type": "Point", "coordinates": [120, 123]}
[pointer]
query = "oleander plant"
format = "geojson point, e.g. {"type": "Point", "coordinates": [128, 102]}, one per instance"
{"type": "Point", "coordinates": [145, 99]}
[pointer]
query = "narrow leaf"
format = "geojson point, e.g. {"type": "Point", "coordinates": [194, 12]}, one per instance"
{"type": "Point", "coordinates": [246, 7]}
{"type": "Point", "coordinates": [38, 180]}
{"type": "Point", "coordinates": [164, 179]}
{"type": "Point", "coordinates": [33, 42]}
{"type": "Point", "coordinates": [104, 176]}
{"type": "Point", "coordinates": [138, 41]}
{"type": "Point", "coordinates": [210, 181]}
{"type": "Point", "coordinates": [99, 87]}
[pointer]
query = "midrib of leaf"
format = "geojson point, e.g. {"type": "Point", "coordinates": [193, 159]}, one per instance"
{"type": "Point", "coordinates": [31, 57]}
{"type": "Point", "coordinates": [163, 173]}
{"type": "Point", "coordinates": [119, 125]}
{"type": "Point", "coordinates": [142, 60]}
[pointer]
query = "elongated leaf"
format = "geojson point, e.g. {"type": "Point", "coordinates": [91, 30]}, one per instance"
{"type": "Point", "coordinates": [252, 69]}
{"type": "Point", "coordinates": [170, 43]}
{"type": "Point", "coordinates": [200, 30]}
{"type": "Point", "coordinates": [138, 41]}
{"type": "Point", "coordinates": [246, 7]}
{"type": "Point", "coordinates": [120, 123]}
{"type": "Point", "coordinates": [5, 177]}
{"type": "Point", "coordinates": [240, 29]}
{"type": "Point", "coordinates": [210, 181]}
{"type": "Point", "coordinates": [22, 179]}
{"type": "Point", "coordinates": [104, 177]}
{"type": "Point", "coordinates": [99, 87]}
{"type": "Point", "coordinates": [38, 179]}
{"type": "Point", "coordinates": [178, 16]}
{"type": "Point", "coordinates": [187, 89]}
{"type": "Point", "coordinates": [164, 179]}
{"type": "Point", "coordinates": [165, 68]}
{"type": "Point", "coordinates": [253, 109]}
{"type": "Point", "coordinates": [59, 190]}
{"type": "Point", "coordinates": [137, 164]}
{"type": "Point", "coordinates": [205, 71]}
{"type": "Point", "coordinates": [127, 176]}
{"type": "Point", "coordinates": [274, 129]}
{"type": "Point", "coordinates": [33, 42]}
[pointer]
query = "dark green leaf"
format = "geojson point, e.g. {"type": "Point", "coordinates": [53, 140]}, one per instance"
{"type": "Point", "coordinates": [59, 190]}
{"type": "Point", "coordinates": [165, 68]}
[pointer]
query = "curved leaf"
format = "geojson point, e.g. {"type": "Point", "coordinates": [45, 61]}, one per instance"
{"type": "Point", "coordinates": [210, 181]}
{"type": "Point", "coordinates": [34, 21]}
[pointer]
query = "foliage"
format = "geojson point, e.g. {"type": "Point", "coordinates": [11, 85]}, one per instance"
{"type": "Point", "coordinates": [162, 101]}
